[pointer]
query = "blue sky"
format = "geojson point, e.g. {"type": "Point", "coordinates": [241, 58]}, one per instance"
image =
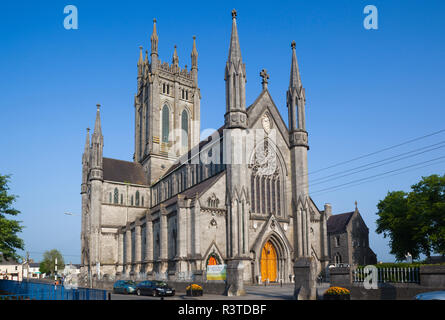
{"type": "Point", "coordinates": [366, 90]}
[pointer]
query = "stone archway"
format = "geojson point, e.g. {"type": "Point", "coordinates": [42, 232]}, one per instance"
{"type": "Point", "coordinates": [276, 260]}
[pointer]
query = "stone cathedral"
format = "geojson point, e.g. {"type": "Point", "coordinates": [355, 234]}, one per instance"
{"type": "Point", "coordinates": [237, 198]}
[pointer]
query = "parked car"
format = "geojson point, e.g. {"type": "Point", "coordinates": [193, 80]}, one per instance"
{"type": "Point", "coordinates": [433, 295]}
{"type": "Point", "coordinates": [124, 286]}
{"type": "Point", "coordinates": [154, 288]}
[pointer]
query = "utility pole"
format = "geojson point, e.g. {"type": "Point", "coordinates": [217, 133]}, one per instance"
{"type": "Point", "coordinates": [55, 269]}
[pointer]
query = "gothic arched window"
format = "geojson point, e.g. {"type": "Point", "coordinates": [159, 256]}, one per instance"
{"type": "Point", "coordinates": [266, 180]}
{"type": "Point", "coordinates": [165, 123]}
{"type": "Point", "coordinates": [116, 196]}
{"type": "Point", "coordinates": [185, 130]}
{"type": "Point", "coordinates": [137, 198]}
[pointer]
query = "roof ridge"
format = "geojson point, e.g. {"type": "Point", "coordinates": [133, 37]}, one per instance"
{"type": "Point", "coordinates": [132, 162]}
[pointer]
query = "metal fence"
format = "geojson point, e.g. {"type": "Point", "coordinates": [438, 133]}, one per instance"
{"type": "Point", "coordinates": [42, 291]}
{"type": "Point", "coordinates": [397, 275]}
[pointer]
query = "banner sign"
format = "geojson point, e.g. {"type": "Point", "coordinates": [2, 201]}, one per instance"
{"type": "Point", "coordinates": [216, 272]}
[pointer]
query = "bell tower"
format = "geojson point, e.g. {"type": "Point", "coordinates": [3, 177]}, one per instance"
{"type": "Point", "coordinates": [167, 109]}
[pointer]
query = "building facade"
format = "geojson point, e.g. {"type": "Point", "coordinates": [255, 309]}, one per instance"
{"type": "Point", "coordinates": [10, 269]}
{"type": "Point", "coordinates": [239, 196]}
{"type": "Point", "coordinates": [348, 238]}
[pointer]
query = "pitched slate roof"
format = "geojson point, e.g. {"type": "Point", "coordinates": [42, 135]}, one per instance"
{"type": "Point", "coordinates": [189, 153]}
{"type": "Point", "coordinates": [124, 171]}
{"type": "Point", "coordinates": [251, 112]}
{"type": "Point", "coordinates": [191, 192]}
{"type": "Point", "coordinates": [338, 222]}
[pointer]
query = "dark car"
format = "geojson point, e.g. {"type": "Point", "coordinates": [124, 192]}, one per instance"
{"type": "Point", "coordinates": [154, 288]}
{"type": "Point", "coordinates": [124, 286]}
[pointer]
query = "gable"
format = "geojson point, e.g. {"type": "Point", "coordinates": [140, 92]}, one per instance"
{"type": "Point", "coordinates": [264, 104]}
{"type": "Point", "coordinates": [216, 191]}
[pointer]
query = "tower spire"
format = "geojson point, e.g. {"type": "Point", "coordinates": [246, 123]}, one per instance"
{"type": "Point", "coordinates": [140, 56]}
{"type": "Point", "coordinates": [235, 77]}
{"type": "Point", "coordinates": [295, 80]}
{"type": "Point", "coordinates": [140, 63]}
{"type": "Point", "coordinates": [97, 126]}
{"type": "Point", "coordinates": [175, 57]}
{"type": "Point", "coordinates": [296, 99]}
{"type": "Point", "coordinates": [97, 146]}
{"type": "Point", "coordinates": [87, 146]}
{"type": "Point", "coordinates": [194, 54]}
{"type": "Point", "coordinates": [154, 40]}
{"type": "Point", "coordinates": [234, 49]}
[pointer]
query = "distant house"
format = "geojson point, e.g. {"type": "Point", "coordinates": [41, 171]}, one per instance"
{"type": "Point", "coordinates": [10, 269]}
{"type": "Point", "coordinates": [32, 270]}
{"type": "Point", "coordinates": [348, 238]}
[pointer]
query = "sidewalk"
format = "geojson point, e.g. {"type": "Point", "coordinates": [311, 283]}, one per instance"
{"type": "Point", "coordinates": [272, 292]}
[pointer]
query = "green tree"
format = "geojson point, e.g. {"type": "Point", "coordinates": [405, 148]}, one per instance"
{"type": "Point", "coordinates": [49, 259]}
{"type": "Point", "coordinates": [9, 240]}
{"type": "Point", "coordinates": [415, 221]}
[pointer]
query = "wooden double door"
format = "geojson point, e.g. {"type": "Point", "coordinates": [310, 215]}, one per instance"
{"type": "Point", "coordinates": [269, 263]}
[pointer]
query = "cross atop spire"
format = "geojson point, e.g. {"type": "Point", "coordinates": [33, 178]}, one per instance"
{"type": "Point", "coordinates": [234, 50]}
{"type": "Point", "coordinates": [265, 76]}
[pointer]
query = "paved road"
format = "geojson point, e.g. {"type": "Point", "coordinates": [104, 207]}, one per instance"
{"type": "Point", "coordinates": [274, 292]}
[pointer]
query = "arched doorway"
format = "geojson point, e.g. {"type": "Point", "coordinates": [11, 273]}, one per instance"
{"type": "Point", "coordinates": [269, 262]}
{"type": "Point", "coordinates": [212, 261]}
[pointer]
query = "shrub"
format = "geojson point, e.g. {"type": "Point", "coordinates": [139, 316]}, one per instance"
{"type": "Point", "coordinates": [194, 287]}
{"type": "Point", "coordinates": [337, 291]}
